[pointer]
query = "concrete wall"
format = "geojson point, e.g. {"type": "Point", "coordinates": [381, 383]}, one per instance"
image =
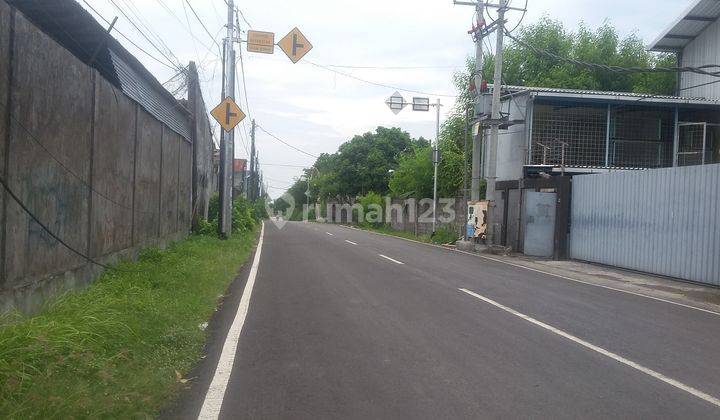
{"type": "Point", "coordinates": [703, 50]}
{"type": "Point", "coordinates": [147, 178]}
{"type": "Point", "coordinates": [203, 177]}
{"type": "Point", "coordinates": [5, 28]}
{"type": "Point", "coordinates": [93, 166]}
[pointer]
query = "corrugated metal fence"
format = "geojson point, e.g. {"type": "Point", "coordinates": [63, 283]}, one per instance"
{"type": "Point", "coordinates": [661, 221]}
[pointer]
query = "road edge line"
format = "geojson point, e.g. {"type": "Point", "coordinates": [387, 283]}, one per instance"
{"type": "Point", "coordinates": [541, 271]}
{"type": "Point", "coordinates": [657, 375]}
{"type": "Point", "coordinates": [212, 403]}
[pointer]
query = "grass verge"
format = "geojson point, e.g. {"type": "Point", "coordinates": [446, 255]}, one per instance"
{"type": "Point", "coordinates": [119, 348]}
{"type": "Point", "coordinates": [442, 236]}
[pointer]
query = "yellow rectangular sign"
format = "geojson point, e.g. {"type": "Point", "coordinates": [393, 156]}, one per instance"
{"type": "Point", "coordinates": [261, 42]}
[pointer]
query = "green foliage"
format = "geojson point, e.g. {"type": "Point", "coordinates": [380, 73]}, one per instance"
{"type": "Point", "coordinates": [360, 165]}
{"type": "Point", "coordinates": [245, 215]}
{"type": "Point", "coordinates": [604, 45]}
{"type": "Point", "coordinates": [444, 235]}
{"type": "Point", "coordinates": [372, 209]}
{"type": "Point", "coordinates": [414, 176]}
{"type": "Point", "coordinates": [121, 347]}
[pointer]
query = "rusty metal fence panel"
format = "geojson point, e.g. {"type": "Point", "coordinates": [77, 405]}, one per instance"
{"type": "Point", "coordinates": [661, 221]}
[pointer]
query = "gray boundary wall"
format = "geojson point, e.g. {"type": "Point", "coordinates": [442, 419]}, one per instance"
{"type": "Point", "coordinates": [407, 219]}
{"type": "Point", "coordinates": [90, 163]}
{"type": "Point", "coordinates": [661, 221]}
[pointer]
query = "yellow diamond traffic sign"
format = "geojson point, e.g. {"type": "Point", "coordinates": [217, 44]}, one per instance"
{"type": "Point", "coordinates": [295, 45]}
{"type": "Point", "coordinates": [228, 114]}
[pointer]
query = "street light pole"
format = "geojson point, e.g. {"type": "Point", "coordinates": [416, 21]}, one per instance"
{"type": "Point", "coordinates": [436, 162]}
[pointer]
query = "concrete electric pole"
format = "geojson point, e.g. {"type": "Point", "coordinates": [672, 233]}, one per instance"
{"type": "Point", "coordinates": [478, 79]}
{"type": "Point", "coordinates": [495, 124]}
{"type": "Point", "coordinates": [227, 137]}
{"type": "Point", "coordinates": [251, 183]}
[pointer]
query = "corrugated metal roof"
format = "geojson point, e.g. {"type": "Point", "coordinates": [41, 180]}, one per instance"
{"type": "Point", "coordinates": [688, 26]}
{"type": "Point", "coordinates": [77, 31]}
{"type": "Point", "coordinates": [610, 96]}
{"type": "Point", "coordinates": [167, 110]}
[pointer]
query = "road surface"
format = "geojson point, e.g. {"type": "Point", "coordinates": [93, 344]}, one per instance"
{"type": "Point", "coordinates": [346, 324]}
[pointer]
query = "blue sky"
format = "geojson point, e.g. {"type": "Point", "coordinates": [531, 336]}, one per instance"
{"type": "Point", "coordinates": [317, 110]}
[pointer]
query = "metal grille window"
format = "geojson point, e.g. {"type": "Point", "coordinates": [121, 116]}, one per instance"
{"type": "Point", "coordinates": [579, 129]}
{"type": "Point", "coordinates": [641, 137]}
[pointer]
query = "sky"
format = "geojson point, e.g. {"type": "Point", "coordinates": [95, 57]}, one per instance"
{"type": "Point", "coordinates": [317, 110]}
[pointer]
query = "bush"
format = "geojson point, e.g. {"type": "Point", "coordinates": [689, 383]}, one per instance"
{"type": "Point", "coordinates": [245, 216]}
{"type": "Point", "coordinates": [372, 205]}
{"type": "Point", "coordinates": [444, 235]}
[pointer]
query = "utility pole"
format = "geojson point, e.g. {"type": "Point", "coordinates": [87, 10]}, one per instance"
{"type": "Point", "coordinates": [436, 162]}
{"type": "Point", "coordinates": [478, 79]}
{"type": "Point", "coordinates": [251, 183]}
{"type": "Point", "coordinates": [227, 138]}
{"type": "Point", "coordinates": [495, 123]}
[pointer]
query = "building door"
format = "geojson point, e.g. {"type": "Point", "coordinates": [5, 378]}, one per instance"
{"type": "Point", "coordinates": [539, 236]}
{"type": "Point", "coordinates": [692, 147]}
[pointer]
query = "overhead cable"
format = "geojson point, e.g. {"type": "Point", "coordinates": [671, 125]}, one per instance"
{"type": "Point", "coordinates": [616, 69]}
{"type": "Point", "coordinates": [284, 142]}
{"type": "Point", "coordinates": [325, 67]}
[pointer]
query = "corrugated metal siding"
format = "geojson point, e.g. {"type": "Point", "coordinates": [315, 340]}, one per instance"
{"type": "Point", "coordinates": [662, 221]}
{"type": "Point", "coordinates": [166, 110]}
{"type": "Point", "coordinates": [703, 50]}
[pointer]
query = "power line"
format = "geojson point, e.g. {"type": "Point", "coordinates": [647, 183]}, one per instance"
{"type": "Point", "coordinates": [243, 17]}
{"type": "Point", "coordinates": [389, 67]}
{"type": "Point", "coordinates": [185, 28]}
{"type": "Point", "coordinates": [144, 35]}
{"type": "Point", "coordinates": [616, 69]}
{"type": "Point", "coordinates": [284, 165]}
{"type": "Point", "coordinates": [284, 142]}
{"type": "Point", "coordinates": [170, 66]}
{"type": "Point", "coordinates": [192, 9]}
{"type": "Point", "coordinates": [55, 236]}
{"type": "Point", "coordinates": [138, 15]}
{"type": "Point", "coordinates": [325, 67]}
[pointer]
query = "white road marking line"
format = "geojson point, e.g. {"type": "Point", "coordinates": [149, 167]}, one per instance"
{"type": "Point", "coordinates": [596, 285]}
{"type": "Point", "coordinates": [330, 234]}
{"type": "Point", "coordinates": [546, 272]}
{"type": "Point", "coordinates": [350, 242]}
{"type": "Point", "coordinates": [215, 394]}
{"type": "Point", "coordinates": [390, 259]}
{"type": "Point", "coordinates": [679, 385]}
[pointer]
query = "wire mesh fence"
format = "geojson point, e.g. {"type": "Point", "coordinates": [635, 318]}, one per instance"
{"type": "Point", "coordinates": [575, 135]}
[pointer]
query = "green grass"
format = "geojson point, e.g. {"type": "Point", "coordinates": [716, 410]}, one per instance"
{"type": "Point", "coordinates": [399, 233]}
{"type": "Point", "coordinates": [120, 348]}
{"type": "Point", "coordinates": [442, 236]}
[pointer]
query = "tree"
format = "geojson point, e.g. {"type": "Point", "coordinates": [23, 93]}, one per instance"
{"type": "Point", "coordinates": [522, 67]}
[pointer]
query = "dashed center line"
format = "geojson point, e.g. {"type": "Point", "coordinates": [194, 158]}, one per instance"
{"type": "Point", "coordinates": [350, 242]}
{"type": "Point", "coordinates": [657, 375]}
{"type": "Point", "coordinates": [329, 233]}
{"type": "Point", "coordinates": [391, 259]}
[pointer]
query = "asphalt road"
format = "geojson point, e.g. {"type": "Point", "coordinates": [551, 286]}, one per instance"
{"type": "Point", "coordinates": [349, 324]}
